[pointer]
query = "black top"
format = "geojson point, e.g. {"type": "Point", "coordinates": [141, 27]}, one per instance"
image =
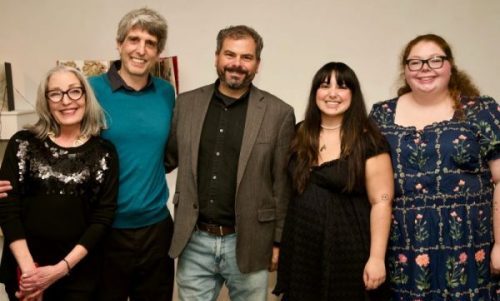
{"type": "Point", "coordinates": [326, 239]}
{"type": "Point", "coordinates": [61, 197]}
{"type": "Point", "coordinates": [219, 152]}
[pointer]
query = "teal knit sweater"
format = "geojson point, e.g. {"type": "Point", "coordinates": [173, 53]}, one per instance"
{"type": "Point", "coordinates": [138, 126]}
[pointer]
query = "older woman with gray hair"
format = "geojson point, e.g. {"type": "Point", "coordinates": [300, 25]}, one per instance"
{"type": "Point", "coordinates": [64, 181]}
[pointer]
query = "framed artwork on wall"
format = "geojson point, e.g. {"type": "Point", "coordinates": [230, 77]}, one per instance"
{"type": "Point", "coordinates": [6, 88]}
{"type": "Point", "coordinates": [165, 68]}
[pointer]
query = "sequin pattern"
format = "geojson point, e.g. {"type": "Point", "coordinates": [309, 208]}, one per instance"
{"type": "Point", "coordinates": [60, 170]}
{"type": "Point", "coordinates": [22, 156]}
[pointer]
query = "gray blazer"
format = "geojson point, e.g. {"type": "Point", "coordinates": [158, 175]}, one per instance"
{"type": "Point", "coordinates": [263, 186]}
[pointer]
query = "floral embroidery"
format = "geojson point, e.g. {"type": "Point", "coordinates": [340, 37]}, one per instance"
{"type": "Point", "coordinates": [480, 257]}
{"type": "Point", "coordinates": [488, 139]}
{"type": "Point", "coordinates": [461, 149]}
{"type": "Point", "coordinates": [455, 222]}
{"type": "Point", "coordinates": [385, 116]}
{"type": "Point", "coordinates": [419, 187]}
{"type": "Point", "coordinates": [421, 233]}
{"type": "Point", "coordinates": [461, 187]}
{"type": "Point", "coordinates": [483, 222]}
{"type": "Point", "coordinates": [422, 281]}
{"type": "Point", "coordinates": [470, 108]}
{"type": "Point", "coordinates": [456, 275]}
{"type": "Point", "coordinates": [416, 156]}
{"type": "Point", "coordinates": [397, 268]}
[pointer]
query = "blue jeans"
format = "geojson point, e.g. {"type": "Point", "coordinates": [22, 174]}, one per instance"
{"type": "Point", "coordinates": [209, 261]}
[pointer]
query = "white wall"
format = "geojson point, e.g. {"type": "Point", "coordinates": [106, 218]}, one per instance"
{"type": "Point", "coordinates": [299, 37]}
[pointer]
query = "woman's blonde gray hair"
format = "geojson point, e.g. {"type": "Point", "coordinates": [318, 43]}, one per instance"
{"type": "Point", "coordinates": [93, 118]}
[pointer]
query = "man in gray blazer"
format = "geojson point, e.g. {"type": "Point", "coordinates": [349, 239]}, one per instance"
{"type": "Point", "coordinates": [230, 142]}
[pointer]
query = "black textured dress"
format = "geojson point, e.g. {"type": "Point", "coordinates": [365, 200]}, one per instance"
{"type": "Point", "coordinates": [326, 240]}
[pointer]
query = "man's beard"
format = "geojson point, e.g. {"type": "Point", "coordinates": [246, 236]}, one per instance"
{"type": "Point", "coordinates": [232, 84]}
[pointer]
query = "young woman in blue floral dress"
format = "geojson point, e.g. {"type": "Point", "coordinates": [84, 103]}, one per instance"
{"type": "Point", "coordinates": [445, 151]}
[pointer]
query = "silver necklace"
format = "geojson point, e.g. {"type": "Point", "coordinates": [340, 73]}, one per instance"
{"type": "Point", "coordinates": [330, 127]}
{"type": "Point", "coordinates": [81, 139]}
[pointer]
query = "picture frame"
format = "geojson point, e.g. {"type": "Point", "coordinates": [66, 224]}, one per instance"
{"type": "Point", "coordinates": [6, 88]}
{"type": "Point", "coordinates": [166, 68]}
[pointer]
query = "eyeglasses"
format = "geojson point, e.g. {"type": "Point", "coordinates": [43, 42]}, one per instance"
{"type": "Point", "coordinates": [434, 62]}
{"type": "Point", "coordinates": [73, 93]}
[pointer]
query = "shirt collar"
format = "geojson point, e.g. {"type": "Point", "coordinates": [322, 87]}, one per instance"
{"type": "Point", "coordinates": [226, 99]}
{"type": "Point", "coordinates": [117, 81]}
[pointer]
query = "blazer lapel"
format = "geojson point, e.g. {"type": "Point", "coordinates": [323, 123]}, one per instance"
{"type": "Point", "coordinates": [198, 113]}
{"type": "Point", "coordinates": [255, 114]}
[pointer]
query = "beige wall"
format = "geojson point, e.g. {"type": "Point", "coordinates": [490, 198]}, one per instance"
{"type": "Point", "coordinates": [299, 37]}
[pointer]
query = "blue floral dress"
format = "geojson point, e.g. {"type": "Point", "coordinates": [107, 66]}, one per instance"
{"type": "Point", "coordinates": [441, 234]}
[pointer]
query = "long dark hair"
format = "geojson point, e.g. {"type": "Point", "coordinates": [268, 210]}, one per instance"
{"type": "Point", "coordinates": [460, 83]}
{"type": "Point", "coordinates": [355, 125]}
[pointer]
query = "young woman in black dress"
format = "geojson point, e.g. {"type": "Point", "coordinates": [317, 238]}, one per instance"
{"type": "Point", "coordinates": [337, 227]}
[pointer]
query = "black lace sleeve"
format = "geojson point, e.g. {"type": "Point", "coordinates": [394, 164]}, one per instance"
{"type": "Point", "coordinates": [14, 166]}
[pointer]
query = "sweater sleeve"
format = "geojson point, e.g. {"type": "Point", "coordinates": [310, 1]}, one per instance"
{"type": "Point", "coordinates": [13, 169]}
{"type": "Point", "coordinates": [282, 186]}
{"type": "Point", "coordinates": [103, 210]}
{"type": "Point", "coordinates": [487, 119]}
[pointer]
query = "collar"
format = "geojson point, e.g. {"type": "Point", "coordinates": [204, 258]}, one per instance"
{"type": "Point", "coordinates": [117, 81]}
{"type": "Point", "coordinates": [226, 99]}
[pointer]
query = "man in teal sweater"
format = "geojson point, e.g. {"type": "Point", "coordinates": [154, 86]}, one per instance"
{"type": "Point", "coordinates": [138, 109]}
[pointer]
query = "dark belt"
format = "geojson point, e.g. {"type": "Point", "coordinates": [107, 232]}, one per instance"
{"type": "Point", "coordinates": [213, 229]}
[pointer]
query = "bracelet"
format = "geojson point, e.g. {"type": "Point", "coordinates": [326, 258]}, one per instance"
{"type": "Point", "coordinates": [67, 265]}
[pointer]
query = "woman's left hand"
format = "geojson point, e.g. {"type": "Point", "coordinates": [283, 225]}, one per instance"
{"type": "Point", "coordinates": [374, 273]}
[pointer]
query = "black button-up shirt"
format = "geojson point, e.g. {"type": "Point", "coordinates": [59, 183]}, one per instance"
{"type": "Point", "coordinates": [219, 152]}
